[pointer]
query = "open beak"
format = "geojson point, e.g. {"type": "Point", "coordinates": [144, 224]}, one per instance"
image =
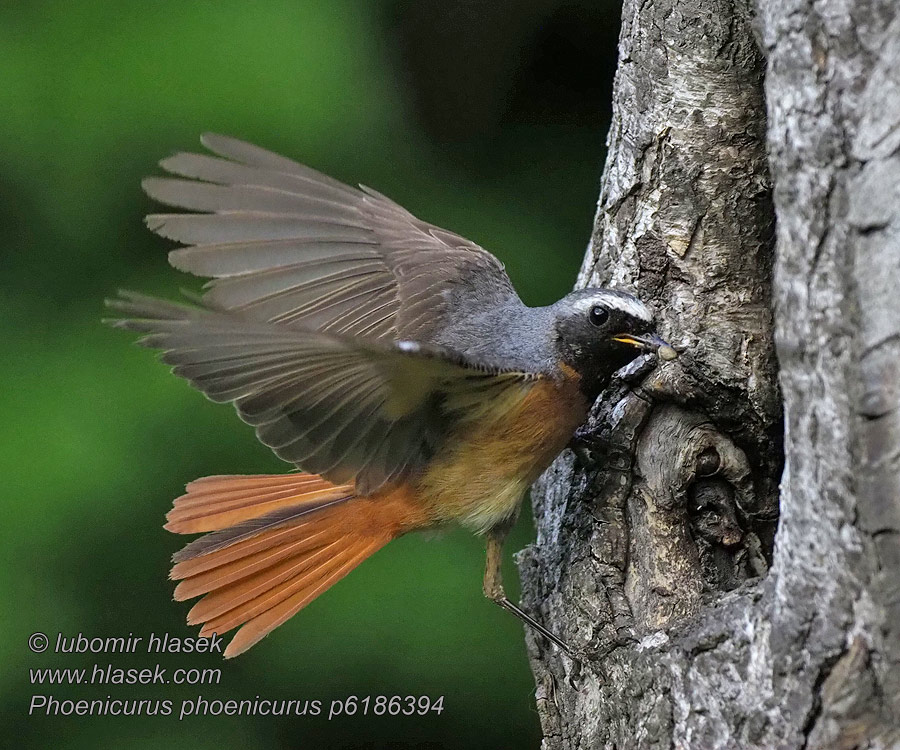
{"type": "Point", "coordinates": [649, 342]}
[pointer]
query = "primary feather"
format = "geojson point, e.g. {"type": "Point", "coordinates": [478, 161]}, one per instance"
{"type": "Point", "coordinates": [288, 245]}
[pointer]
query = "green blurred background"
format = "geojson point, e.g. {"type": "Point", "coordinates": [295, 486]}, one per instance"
{"type": "Point", "coordinates": [486, 118]}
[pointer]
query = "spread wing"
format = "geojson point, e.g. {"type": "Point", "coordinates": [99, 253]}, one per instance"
{"type": "Point", "coordinates": [347, 409]}
{"type": "Point", "coordinates": [285, 244]}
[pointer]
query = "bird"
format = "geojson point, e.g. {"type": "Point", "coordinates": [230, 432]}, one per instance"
{"type": "Point", "coordinates": [390, 361]}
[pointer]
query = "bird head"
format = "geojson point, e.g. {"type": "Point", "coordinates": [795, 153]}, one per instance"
{"type": "Point", "coordinates": [599, 331]}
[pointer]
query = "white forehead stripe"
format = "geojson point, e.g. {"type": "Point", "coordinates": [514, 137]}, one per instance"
{"type": "Point", "coordinates": [618, 301]}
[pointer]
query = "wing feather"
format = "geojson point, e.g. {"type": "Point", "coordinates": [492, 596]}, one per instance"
{"type": "Point", "coordinates": [286, 244]}
{"type": "Point", "coordinates": [344, 408]}
{"type": "Point", "coordinates": [243, 226]}
{"type": "Point", "coordinates": [228, 259]}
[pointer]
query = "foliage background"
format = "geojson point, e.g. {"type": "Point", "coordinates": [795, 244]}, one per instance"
{"type": "Point", "coordinates": [486, 118]}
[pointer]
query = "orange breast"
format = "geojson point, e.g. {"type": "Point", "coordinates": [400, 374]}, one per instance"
{"type": "Point", "coordinates": [487, 466]}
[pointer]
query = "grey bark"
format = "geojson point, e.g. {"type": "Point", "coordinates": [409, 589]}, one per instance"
{"type": "Point", "coordinates": [656, 557]}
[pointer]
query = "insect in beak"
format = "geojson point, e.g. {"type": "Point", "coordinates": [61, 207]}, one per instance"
{"type": "Point", "coordinates": [650, 342]}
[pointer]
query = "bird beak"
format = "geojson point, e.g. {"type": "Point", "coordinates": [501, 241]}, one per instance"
{"type": "Point", "coordinates": [649, 342]}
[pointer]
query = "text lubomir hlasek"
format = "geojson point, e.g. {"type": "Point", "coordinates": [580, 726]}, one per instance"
{"type": "Point", "coordinates": [130, 644]}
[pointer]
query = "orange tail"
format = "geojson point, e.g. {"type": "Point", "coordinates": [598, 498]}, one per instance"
{"type": "Point", "coordinates": [279, 541]}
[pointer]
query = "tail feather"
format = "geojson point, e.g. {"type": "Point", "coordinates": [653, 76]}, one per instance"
{"type": "Point", "coordinates": [277, 543]}
{"type": "Point", "coordinates": [229, 572]}
{"type": "Point", "coordinates": [219, 502]}
{"type": "Point", "coordinates": [224, 486]}
{"type": "Point", "coordinates": [246, 609]}
{"type": "Point", "coordinates": [291, 515]}
{"type": "Point", "coordinates": [262, 625]}
{"type": "Point", "coordinates": [253, 586]}
{"type": "Point", "coordinates": [189, 567]}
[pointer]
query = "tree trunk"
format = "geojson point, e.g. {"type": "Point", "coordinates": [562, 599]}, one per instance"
{"type": "Point", "coordinates": [656, 554]}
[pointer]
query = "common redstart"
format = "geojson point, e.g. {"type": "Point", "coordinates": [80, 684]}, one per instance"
{"type": "Point", "coordinates": [389, 360]}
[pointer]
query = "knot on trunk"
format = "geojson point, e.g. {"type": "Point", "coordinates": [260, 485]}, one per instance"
{"type": "Point", "coordinates": [690, 517]}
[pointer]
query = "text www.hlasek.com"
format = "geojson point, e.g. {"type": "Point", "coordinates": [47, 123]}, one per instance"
{"type": "Point", "coordinates": [49, 705]}
{"type": "Point", "coordinates": [107, 674]}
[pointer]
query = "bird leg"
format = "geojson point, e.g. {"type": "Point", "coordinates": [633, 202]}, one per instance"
{"type": "Point", "coordinates": [493, 585]}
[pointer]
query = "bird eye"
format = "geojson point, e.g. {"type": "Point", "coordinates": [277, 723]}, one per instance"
{"type": "Point", "coordinates": [599, 315]}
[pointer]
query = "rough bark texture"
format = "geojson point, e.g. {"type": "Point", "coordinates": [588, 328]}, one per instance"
{"type": "Point", "coordinates": [655, 554]}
